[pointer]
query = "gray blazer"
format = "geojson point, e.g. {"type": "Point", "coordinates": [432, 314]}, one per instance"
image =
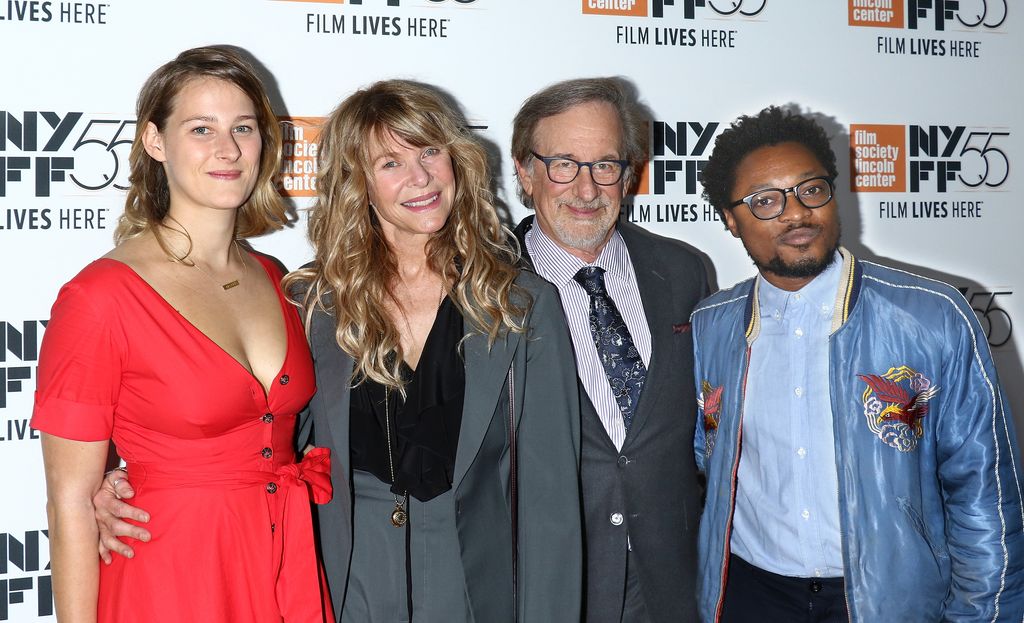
{"type": "Point", "coordinates": [653, 481]}
{"type": "Point", "coordinates": [548, 424]}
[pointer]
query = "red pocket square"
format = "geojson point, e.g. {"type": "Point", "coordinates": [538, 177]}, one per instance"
{"type": "Point", "coordinates": [682, 327]}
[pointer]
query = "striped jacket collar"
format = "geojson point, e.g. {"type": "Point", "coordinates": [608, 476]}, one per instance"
{"type": "Point", "coordinates": [846, 297]}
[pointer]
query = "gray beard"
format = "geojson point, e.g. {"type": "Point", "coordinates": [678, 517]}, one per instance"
{"type": "Point", "coordinates": [584, 240]}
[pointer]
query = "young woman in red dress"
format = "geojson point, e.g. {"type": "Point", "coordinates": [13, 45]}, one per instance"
{"type": "Point", "coordinates": [179, 347]}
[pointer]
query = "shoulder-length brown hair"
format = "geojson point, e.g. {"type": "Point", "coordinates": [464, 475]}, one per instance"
{"type": "Point", "coordinates": [149, 196]}
{"type": "Point", "coordinates": [353, 271]}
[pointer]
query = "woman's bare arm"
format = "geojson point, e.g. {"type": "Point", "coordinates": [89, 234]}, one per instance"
{"type": "Point", "coordinates": [74, 470]}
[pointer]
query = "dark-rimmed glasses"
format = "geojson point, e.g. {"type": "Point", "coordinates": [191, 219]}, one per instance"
{"type": "Point", "coordinates": [562, 170]}
{"type": "Point", "coordinates": [771, 202]}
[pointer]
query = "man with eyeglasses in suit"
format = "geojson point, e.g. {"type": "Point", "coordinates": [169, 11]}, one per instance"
{"type": "Point", "coordinates": [627, 294]}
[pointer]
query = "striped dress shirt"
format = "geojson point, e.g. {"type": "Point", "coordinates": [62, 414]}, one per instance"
{"type": "Point", "coordinates": [559, 267]}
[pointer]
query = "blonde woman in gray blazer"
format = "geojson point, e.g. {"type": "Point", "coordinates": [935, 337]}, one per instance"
{"type": "Point", "coordinates": [413, 301]}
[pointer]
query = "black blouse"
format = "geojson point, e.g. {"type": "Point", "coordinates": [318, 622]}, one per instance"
{"type": "Point", "coordinates": [425, 427]}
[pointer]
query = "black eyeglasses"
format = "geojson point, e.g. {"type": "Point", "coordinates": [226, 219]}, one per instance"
{"type": "Point", "coordinates": [563, 170]}
{"type": "Point", "coordinates": [771, 202]}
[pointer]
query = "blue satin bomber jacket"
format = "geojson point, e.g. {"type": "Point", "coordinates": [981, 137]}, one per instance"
{"type": "Point", "coordinates": [929, 491]}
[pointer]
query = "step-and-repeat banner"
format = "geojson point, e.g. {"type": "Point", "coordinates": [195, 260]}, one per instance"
{"type": "Point", "coordinates": [923, 98]}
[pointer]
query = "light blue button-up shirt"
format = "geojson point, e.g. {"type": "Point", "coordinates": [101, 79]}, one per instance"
{"type": "Point", "coordinates": [787, 497]}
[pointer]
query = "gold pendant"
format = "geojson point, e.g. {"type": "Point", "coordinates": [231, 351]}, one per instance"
{"type": "Point", "coordinates": [230, 284]}
{"type": "Point", "coordinates": [399, 516]}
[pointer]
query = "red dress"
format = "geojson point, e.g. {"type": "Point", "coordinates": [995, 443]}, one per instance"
{"type": "Point", "coordinates": [209, 453]}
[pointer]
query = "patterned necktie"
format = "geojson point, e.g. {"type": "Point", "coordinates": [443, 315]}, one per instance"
{"type": "Point", "coordinates": [621, 360]}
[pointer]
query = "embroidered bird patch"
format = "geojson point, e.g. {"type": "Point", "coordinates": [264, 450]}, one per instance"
{"type": "Point", "coordinates": [895, 403]}
{"type": "Point", "coordinates": [710, 403]}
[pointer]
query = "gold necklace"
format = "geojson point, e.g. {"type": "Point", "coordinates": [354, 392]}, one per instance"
{"type": "Point", "coordinates": [399, 516]}
{"type": "Point", "coordinates": [234, 282]}
{"type": "Point", "coordinates": [187, 262]}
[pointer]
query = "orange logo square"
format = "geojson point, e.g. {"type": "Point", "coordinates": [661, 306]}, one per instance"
{"type": "Point", "coordinates": [299, 156]}
{"type": "Point", "coordinates": [877, 13]}
{"type": "Point", "coordinates": [643, 182]}
{"type": "Point", "coordinates": [878, 159]}
{"type": "Point", "coordinates": [616, 7]}
{"type": "Point", "coordinates": [643, 186]}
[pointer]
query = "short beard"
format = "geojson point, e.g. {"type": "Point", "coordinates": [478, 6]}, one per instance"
{"type": "Point", "coordinates": [584, 240]}
{"type": "Point", "coordinates": [809, 267]}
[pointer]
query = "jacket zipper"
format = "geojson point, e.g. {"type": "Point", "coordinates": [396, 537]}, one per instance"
{"type": "Point", "coordinates": [732, 494]}
{"type": "Point", "coordinates": [842, 534]}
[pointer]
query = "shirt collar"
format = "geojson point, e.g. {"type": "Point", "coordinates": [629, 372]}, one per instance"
{"type": "Point", "coordinates": [559, 266]}
{"type": "Point", "coordinates": [820, 292]}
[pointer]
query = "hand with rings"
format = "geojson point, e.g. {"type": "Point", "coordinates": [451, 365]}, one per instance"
{"type": "Point", "coordinates": [111, 513]}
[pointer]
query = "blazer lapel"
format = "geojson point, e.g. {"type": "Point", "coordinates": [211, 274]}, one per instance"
{"type": "Point", "coordinates": [485, 377]}
{"type": "Point", "coordinates": [655, 293]}
{"type": "Point", "coordinates": [334, 392]}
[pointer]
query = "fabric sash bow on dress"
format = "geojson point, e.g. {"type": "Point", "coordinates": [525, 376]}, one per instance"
{"type": "Point", "coordinates": [296, 560]}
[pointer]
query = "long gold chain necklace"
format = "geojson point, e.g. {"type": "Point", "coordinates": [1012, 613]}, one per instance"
{"type": "Point", "coordinates": [399, 516]}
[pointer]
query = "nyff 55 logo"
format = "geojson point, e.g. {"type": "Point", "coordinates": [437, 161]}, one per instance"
{"type": "Point", "coordinates": [914, 14]}
{"type": "Point", "coordinates": [926, 158]}
{"type": "Point", "coordinates": [639, 8]}
{"type": "Point", "coordinates": [39, 149]}
{"type": "Point", "coordinates": [679, 152]}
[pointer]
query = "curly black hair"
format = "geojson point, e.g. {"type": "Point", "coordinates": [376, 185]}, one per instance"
{"type": "Point", "coordinates": [771, 126]}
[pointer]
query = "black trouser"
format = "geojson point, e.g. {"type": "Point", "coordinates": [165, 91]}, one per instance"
{"type": "Point", "coordinates": [634, 610]}
{"type": "Point", "coordinates": [753, 595]}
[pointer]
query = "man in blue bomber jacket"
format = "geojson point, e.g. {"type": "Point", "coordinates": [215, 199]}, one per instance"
{"type": "Point", "coordinates": [860, 456]}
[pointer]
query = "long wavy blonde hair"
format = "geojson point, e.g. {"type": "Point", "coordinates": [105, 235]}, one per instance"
{"type": "Point", "coordinates": [149, 197]}
{"type": "Point", "coordinates": [353, 270]}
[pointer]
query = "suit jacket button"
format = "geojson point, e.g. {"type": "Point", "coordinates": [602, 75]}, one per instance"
{"type": "Point", "coordinates": [616, 519]}
{"type": "Point", "coordinates": [623, 461]}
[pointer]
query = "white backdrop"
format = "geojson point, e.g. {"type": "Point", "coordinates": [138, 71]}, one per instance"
{"type": "Point", "coordinates": [929, 91]}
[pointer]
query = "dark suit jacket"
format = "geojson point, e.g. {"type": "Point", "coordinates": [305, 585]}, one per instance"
{"type": "Point", "coordinates": [653, 480]}
{"type": "Point", "coordinates": [547, 415]}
